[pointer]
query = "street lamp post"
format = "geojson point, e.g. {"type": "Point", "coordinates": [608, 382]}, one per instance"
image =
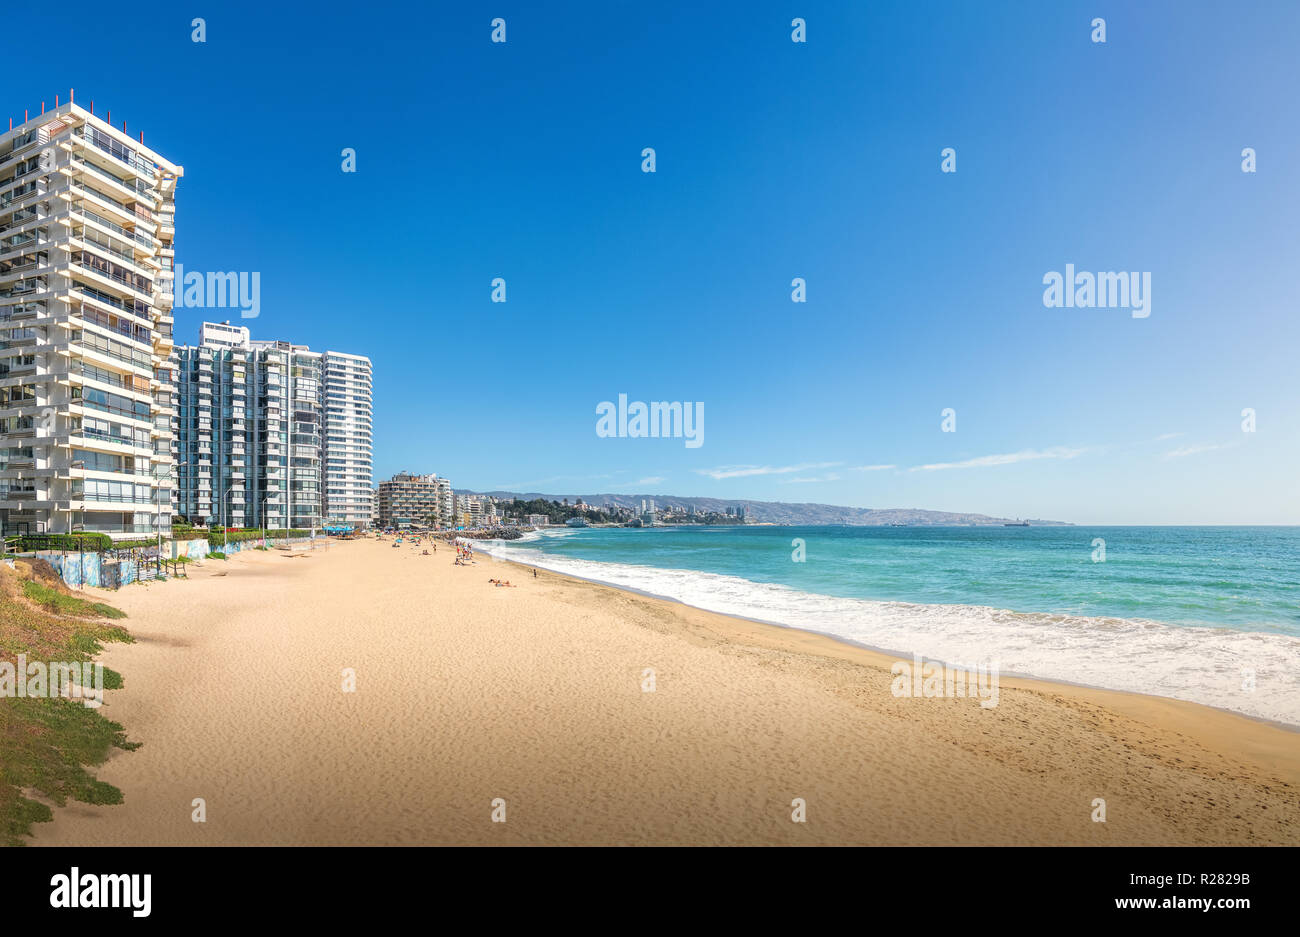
{"type": "Point", "coordinates": [81, 541]}
{"type": "Point", "coordinates": [225, 523]}
{"type": "Point", "coordinates": [157, 514]}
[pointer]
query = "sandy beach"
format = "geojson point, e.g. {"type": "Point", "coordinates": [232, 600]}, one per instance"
{"type": "Point", "coordinates": [466, 692]}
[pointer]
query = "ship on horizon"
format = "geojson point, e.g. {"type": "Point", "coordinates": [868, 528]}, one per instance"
{"type": "Point", "coordinates": [1016, 524]}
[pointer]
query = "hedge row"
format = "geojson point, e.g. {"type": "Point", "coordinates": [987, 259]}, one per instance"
{"type": "Point", "coordinates": [95, 543]}
{"type": "Point", "coordinates": [89, 542]}
{"type": "Point", "coordinates": [217, 538]}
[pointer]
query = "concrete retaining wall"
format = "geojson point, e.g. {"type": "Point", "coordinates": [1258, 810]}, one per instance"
{"type": "Point", "coordinates": [98, 569]}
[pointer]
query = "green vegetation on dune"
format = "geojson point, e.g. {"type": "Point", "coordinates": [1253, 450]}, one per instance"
{"type": "Point", "coordinates": [46, 744]}
{"type": "Point", "coordinates": [62, 604]}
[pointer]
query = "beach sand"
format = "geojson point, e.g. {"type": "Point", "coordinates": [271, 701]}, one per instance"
{"type": "Point", "coordinates": [466, 693]}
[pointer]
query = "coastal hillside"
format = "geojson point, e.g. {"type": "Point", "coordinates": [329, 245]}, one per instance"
{"type": "Point", "coordinates": [784, 512]}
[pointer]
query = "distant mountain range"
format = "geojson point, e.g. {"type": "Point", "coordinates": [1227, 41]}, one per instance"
{"type": "Point", "coordinates": [783, 512]}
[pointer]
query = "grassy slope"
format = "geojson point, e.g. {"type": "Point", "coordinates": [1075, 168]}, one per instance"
{"type": "Point", "coordinates": [46, 744]}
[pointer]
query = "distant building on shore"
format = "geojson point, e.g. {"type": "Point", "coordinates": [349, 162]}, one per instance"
{"type": "Point", "coordinates": [446, 500]}
{"type": "Point", "coordinates": [407, 500]}
{"type": "Point", "coordinates": [538, 520]}
{"type": "Point", "coordinates": [474, 510]}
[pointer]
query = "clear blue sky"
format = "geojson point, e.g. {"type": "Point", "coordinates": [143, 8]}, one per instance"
{"type": "Point", "coordinates": [775, 160]}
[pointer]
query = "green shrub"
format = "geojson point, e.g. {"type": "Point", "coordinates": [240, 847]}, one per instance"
{"type": "Point", "coordinates": [135, 544]}
{"type": "Point", "coordinates": [217, 555]}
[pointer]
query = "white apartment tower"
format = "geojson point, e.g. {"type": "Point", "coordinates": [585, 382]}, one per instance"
{"type": "Point", "coordinates": [446, 500]}
{"type": "Point", "coordinates": [87, 222]}
{"type": "Point", "coordinates": [349, 439]}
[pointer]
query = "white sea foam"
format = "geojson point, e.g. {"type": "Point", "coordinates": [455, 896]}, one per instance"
{"type": "Point", "coordinates": [1203, 665]}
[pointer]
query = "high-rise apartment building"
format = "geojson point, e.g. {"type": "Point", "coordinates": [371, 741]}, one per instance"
{"type": "Point", "coordinates": [253, 428]}
{"type": "Point", "coordinates": [87, 227]}
{"type": "Point", "coordinates": [349, 439]}
{"type": "Point", "coordinates": [300, 426]}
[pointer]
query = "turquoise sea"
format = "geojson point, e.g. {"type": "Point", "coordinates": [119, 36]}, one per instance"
{"type": "Point", "coordinates": [1209, 614]}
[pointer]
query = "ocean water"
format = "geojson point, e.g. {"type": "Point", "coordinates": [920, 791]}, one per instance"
{"type": "Point", "coordinates": [1207, 614]}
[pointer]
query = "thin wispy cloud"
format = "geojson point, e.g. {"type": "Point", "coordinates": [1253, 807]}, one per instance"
{"type": "Point", "coordinates": [828, 477]}
{"type": "Point", "coordinates": [649, 480]}
{"type": "Point", "coordinates": [834, 476]}
{"type": "Point", "coordinates": [1162, 437]}
{"type": "Point", "coordinates": [1006, 458]}
{"type": "Point", "coordinates": [744, 471]}
{"type": "Point", "coordinates": [1184, 451]}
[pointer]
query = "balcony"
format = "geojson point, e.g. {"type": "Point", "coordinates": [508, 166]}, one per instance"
{"type": "Point", "coordinates": [91, 136]}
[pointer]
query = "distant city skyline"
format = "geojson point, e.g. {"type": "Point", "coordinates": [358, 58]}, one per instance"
{"type": "Point", "coordinates": [775, 161]}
